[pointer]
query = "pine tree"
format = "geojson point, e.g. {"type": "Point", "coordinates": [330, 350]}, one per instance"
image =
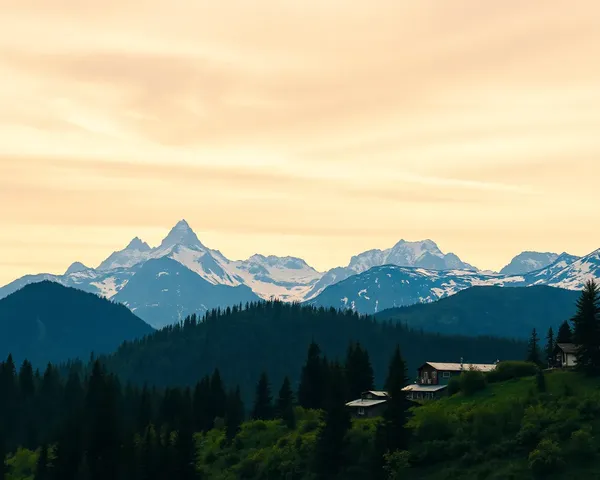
{"type": "Point", "coordinates": [586, 333]}
{"type": "Point", "coordinates": [359, 372]}
{"type": "Point", "coordinates": [550, 345]}
{"type": "Point", "coordinates": [263, 404]}
{"type": "Point", "coordinates": [285, 404]}
{"type": "Point", "coordinates": [26, 384]}
{"type": "Point", "coordinates": [218, 397]}
{"type": "Point", "coordinates": [145, 411]}
{"type": "Point", "coordinates": [565, 334]}
{"type": "Point", "coordinates": [201, 402]}
{"type": "Point", "coordinates": [312, 381]}
{"type": "Point", "coordinates": [235, 414]}
{"type": "Point", "coordinates": [331, 439]}
{"type": "Point", "coordinates": [533, 349]}
{"type": "Point", "coordinates": [41, 469]}
{"type": "Point", "coordinates": [391, 434]}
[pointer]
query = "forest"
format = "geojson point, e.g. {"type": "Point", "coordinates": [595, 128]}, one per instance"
{"type": "Point", "coordinates": [520, 421]}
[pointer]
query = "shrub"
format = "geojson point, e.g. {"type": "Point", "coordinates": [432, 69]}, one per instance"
{"type": "Point", "coordinates": [582, 445]}
{"type": "Point", "coordinates": [471, 382]}
{"type": "Point", "coordinates": [396, 464]}
{"type": "Point", "coordinates": [510, 370]}
{"type": "Point", "coordinates": [454, 386]}
{"type": "Point", "coordinates": [546, 458]}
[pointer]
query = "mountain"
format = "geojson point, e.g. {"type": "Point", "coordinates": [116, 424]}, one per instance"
{"type": "Point", "coordinates": [390, 286]}
{"type": "Point", "coordinates": [162, 292]}
{"type": "Point", "coordinates": [274, 337]}
{"type": "Point", "coordinates": [422, 254]}
{"type": "Point", "coordinates": [47, 322]}
{"type": "Point", "coordinates": [531, 261]}
{"type": "Point", "coordinates": [503, 312]}
{"type": "Point", "coordinates": [568, 272]}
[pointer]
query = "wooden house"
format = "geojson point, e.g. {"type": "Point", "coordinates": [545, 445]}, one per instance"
{"type": "Point", "coordinates": [433, 378]}
{"type": "Point", "coordinates": [565, 355]}
{"type": "Point", "coordinates": [370, 404]}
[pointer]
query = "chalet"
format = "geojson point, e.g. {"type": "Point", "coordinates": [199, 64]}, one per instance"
{"type": "Point", "coordinates": [433, 378]}
{"type": "Point", "coordinates": [565, 355]}
{"type": "Point", "coordinates": [370, 404]}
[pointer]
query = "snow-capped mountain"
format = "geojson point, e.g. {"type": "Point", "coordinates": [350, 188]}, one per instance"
{"type": "Point", "coordinates": [531, 261]}
{"type": "Point", "coordinates": [389, 286]}
{"type": "Point", "coordinates": [423, 254]}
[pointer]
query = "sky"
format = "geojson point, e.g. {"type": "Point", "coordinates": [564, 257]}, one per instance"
{"type": "Point", "coordinates": [313, 129]}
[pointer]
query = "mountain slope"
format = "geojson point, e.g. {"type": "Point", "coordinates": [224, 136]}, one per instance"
{"type": "Point", "coordinates": [390, 286]}
{"type": "Point", "coordinates": [527, 262]}
{"type": "Point", "coordinates": [274, 337]}
{"type": "Point", "coordinates": [47, 322]}
{"type": "Point", "coordinates": [503, 312]}
{"type": "Point", "coordinates": [163, 292]}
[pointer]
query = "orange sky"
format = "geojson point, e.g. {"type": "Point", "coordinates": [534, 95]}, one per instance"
{"type": "Point", "coordinates": [315, 129]}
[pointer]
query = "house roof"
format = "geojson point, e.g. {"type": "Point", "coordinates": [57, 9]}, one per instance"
{"type": "Point", "coordinates": [377, 393]}
{"type": "Point", "coordinates": [365, 403]}
{"type": "Point", "coordinates": [424, 388]}
{"type": "Point", "coordinates": [457, 367]}
{"type": "Point", "coordinates": [567, 347]}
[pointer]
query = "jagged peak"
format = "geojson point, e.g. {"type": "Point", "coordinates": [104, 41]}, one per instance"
{"type": "Point", "coordinates": [181, 234]}
{"type": "Point", "coordinates": [138, 244]}
{"type": "Point", "coordinates": [76, 267]}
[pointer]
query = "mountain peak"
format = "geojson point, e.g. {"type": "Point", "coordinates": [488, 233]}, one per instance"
{"type": "Point", "coordinates": [181, 234]}
{"type": "Point", "coordinates": [138, 244]}
{"type": "Point", "coordinates": [76, 267]}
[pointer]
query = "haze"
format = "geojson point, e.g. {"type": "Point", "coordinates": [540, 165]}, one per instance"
{"type": "Point", "coordinates": [315, 129]}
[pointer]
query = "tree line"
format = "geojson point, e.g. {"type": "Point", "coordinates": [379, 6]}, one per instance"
{"type": "Point", "coordinates": [90, 426]}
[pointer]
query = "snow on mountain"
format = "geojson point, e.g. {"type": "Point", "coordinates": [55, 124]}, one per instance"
{"type": "Point", "coordinates": [391, 286]}
{"type": "Point", "coordinates": [424, 254]}
{"type": "Point", "coordinates": [136, 252]}
{"type": "Point", "coordinates": [531, 261]}
{"type": "Point", "coordinates": [76, 267]}
{"type": "Point", "coordinates": [569, 272]}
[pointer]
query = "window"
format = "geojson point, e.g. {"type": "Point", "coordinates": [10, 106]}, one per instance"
{"type": "Point", "coordinates": [361, 411]}
{"type": "Point", "coordinates": [446, 374]}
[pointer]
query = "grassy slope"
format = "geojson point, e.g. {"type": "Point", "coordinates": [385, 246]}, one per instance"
{"type": "Point", "coordinates": [489, 435]}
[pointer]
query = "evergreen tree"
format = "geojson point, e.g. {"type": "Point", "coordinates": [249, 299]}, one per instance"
{"type": "Point", "coordinates": [550, 345]}
{"type": "Point", "coordinates": [26, 383]}
{"type": "Point", "coordinates": [263, 404]}
{"type": "Point", "coordinates": [331, 439]}
{"type": "Point", "coordinates": [285, 404]}
{"type": "Point", "coordinates": [312, 381]}
{"type": "Point", "coordinates": [218, 397]}
{"type": "Point", "coordinates": [391, 434]}
{"type": "Point", "coordinates": [145, 414]}
{"type": "Point", "coordinates": [203, 419]}
{"type": "Point", "coordinates": [565, 334]}
{"type": "Point", "coordinates": [533, 349]}
{"type": "Point", "coordinates": [586, 332]}
{"type": "Point", "coordinates": [41, 469]}
{"type": "Point", "coordinates": [359, 372]}
{"type": "Point", "coordinates": [235, 414]}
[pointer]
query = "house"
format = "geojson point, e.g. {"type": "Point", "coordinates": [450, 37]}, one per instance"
{"type": "Point", "coordinates": [433, 378]}
{"type": "Point", "coordinates": [370, 404]}
{"type": "Point", "coordinates": [565, 355]}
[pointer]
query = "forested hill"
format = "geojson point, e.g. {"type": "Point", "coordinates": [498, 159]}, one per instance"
{"type": "Point", "coordinates": [500, 311]}
{"type": "Point", "coordinates": [47, 322]}
{"type": "Point", "coordinates": [274, 337]}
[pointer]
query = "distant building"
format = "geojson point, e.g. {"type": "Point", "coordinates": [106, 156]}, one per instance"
{"type": "Point", "coordinates": [433, 378]}
{"type": "Point", "coordinates": [565, 355]}
{"type": "Point", "coordinates": [370, 404]}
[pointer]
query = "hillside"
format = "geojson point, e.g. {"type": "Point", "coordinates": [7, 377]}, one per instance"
{"type": "Point", "coordinates": [498, 311]}
{"type": "Point", "coordinates": [46, 322]}
{"type": "Point", "coordinates": [274, 336]}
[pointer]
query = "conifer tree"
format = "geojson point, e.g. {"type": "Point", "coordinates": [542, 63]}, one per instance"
{"type": "Point", "coordinates": [263, 403]}
{"type": "Point", "coordinates": [533, 349]}
{"type": "Point", "coordinates": [41, 469]}
{"type": "Point", "coordinates": [201, 405]}
{"type": "Point", "coordinates": [550, 345]}
{"type": "Point", "coordinates": [586, 332]}
{"type": "Point", "coordinates": [331, 439]}
{"type": "Point", "coordinates": [26, 383]}
{"type": "Point", "coordinates": [359, 372]}
{"type": "Point", "coordinates": [145, 414]}
{"type": "Point", "coordinates": [312, 381]}
{"type": "Point", "coordinates": [218, 397]}
{"type": "Point", "coordinates": [285, 404]}
{"type": "Point", "coordinates": [235, 414]}
{"type": "Point", "coordinates": [565, 334]}
{"type": "Point", "coordinates": [391, 434]}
